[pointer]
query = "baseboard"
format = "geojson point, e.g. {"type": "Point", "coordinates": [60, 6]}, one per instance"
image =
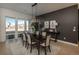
{"type": "Point", "coordinates": [66, 42]}
{"type": "Point", "coordinates": [2, 42]}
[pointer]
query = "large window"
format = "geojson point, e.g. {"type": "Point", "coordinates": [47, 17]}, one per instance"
{"type": "Point", "coordinates": [14, 27]}
{"type": "Point", "coordinates": [10, 24]}
{"type": "Point", "coordinates": [21, 25]}
{"type": "Point", "coordinates": [27, 25]}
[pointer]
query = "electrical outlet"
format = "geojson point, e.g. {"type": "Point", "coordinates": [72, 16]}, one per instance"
{"type": "Point", "coordinates": [64, 38]}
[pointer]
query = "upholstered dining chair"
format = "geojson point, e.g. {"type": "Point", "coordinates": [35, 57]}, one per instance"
{"type": "Point", "coordinates": [30, 42]}
{"type": "Point", "coordinates": [46, 44]}
{"type": "Point", "coordinates": [44, 34]}
{"type": "Point", "coordinates": [37, 32]}
{"type": "Point", "coordinates": [24, 39]}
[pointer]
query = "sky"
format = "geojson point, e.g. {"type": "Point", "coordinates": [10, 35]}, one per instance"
{"type": "Point", "coordinates": [10, 20]}
{"type": "Point", "coordinates": [13, 21]}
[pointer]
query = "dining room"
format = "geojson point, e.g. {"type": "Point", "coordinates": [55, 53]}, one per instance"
{"type": "Point", "coordinates": [39, 29]}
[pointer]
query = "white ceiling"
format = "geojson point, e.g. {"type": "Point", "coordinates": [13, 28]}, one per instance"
{"type": "Point", "coordinates": [42, 8]}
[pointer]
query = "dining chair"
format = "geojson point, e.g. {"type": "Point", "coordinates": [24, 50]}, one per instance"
{"type": "Point", "coordinates": [46, 44]}
{"type": "Point", "coordinates": [24, 39]}
{"type": "Point", "coordinates": [37, 32]}
{"type": "Point", "coordinates": [30, 42]}
{"type": "Point", "coordinates": [44, 34]}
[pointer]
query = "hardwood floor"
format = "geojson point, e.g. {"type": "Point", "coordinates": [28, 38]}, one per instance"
{"type": "Point", "coordinates": [4, 50]}
{"type": "Point", "coordinates": [15, 47]}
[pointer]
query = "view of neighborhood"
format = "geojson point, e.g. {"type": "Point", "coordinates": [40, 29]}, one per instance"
{"type": "Point", "coordinates": [10, 24]}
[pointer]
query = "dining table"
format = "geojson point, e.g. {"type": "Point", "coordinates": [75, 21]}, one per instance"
{"type": "Point", "coordinates": [39, 38]}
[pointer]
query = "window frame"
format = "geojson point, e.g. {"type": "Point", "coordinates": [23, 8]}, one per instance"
{"type": "Point", "coordinates": [17, 24]}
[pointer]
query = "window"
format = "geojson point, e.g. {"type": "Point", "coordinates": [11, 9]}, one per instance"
{"type": "Point", "coordinates": [21, 24]}
{"type": "Point", "coordinates": [27, 25]}
{"type": "Point", "coordinates": [10, 24]}
{"type": "Point", "coordinates": [15, 27]}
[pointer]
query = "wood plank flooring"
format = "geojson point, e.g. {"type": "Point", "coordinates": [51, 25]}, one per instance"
{"type": "Point", "coordinates": [15, 47]}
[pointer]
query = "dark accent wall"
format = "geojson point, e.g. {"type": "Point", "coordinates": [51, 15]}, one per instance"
{"type": "Point", "coordinates": [78, 25]}
{"type": "Point", "coordinates": [67, 19]}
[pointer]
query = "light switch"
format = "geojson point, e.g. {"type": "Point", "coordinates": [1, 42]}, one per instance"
{"type": "Point", "coordinates": [64, 38]}
{"type": "Point", "coordinates": [74, 28]}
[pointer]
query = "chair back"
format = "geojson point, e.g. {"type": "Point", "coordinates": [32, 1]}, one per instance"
{"type": "Point", "coordinates": [48, 40]}
{"type": "Point", "coordinates": [29, 38]}
{"type": "Point", "coordinates": [37, 32]}
{"type": "Point", "coordinates": [24, 37]}
{"type": "Point", "coordinates": [44, 34]}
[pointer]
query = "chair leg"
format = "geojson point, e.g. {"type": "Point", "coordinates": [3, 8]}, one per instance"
{"type": "Point", "coordinates": [23, 43]}
{"type": "Point", "coordinates": [49, 48]}
{"type": "Point", "coordinates": [45, 51]}
{"type": "Point", "coordinates": [27, 45]}
{"type": "Point", "coordinates": [31, 49]}
{"type": "Point", "coordinates": [38, 48]}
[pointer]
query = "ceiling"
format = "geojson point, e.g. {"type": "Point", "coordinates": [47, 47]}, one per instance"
{"type": "Point", "coordinates": [42, 8]}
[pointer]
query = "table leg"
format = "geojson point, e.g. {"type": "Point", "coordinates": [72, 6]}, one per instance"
{"type": "Point", "coordinates": [55, 37]}
{"type": "Point", "coordinates": [39, 48]}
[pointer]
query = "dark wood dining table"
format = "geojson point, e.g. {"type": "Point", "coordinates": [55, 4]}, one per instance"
{"type": "Point", "coordinates": [39, 39]}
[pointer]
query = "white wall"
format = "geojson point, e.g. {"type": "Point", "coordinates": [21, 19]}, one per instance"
{"type": "Point", "coordinates": [6, 12]}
